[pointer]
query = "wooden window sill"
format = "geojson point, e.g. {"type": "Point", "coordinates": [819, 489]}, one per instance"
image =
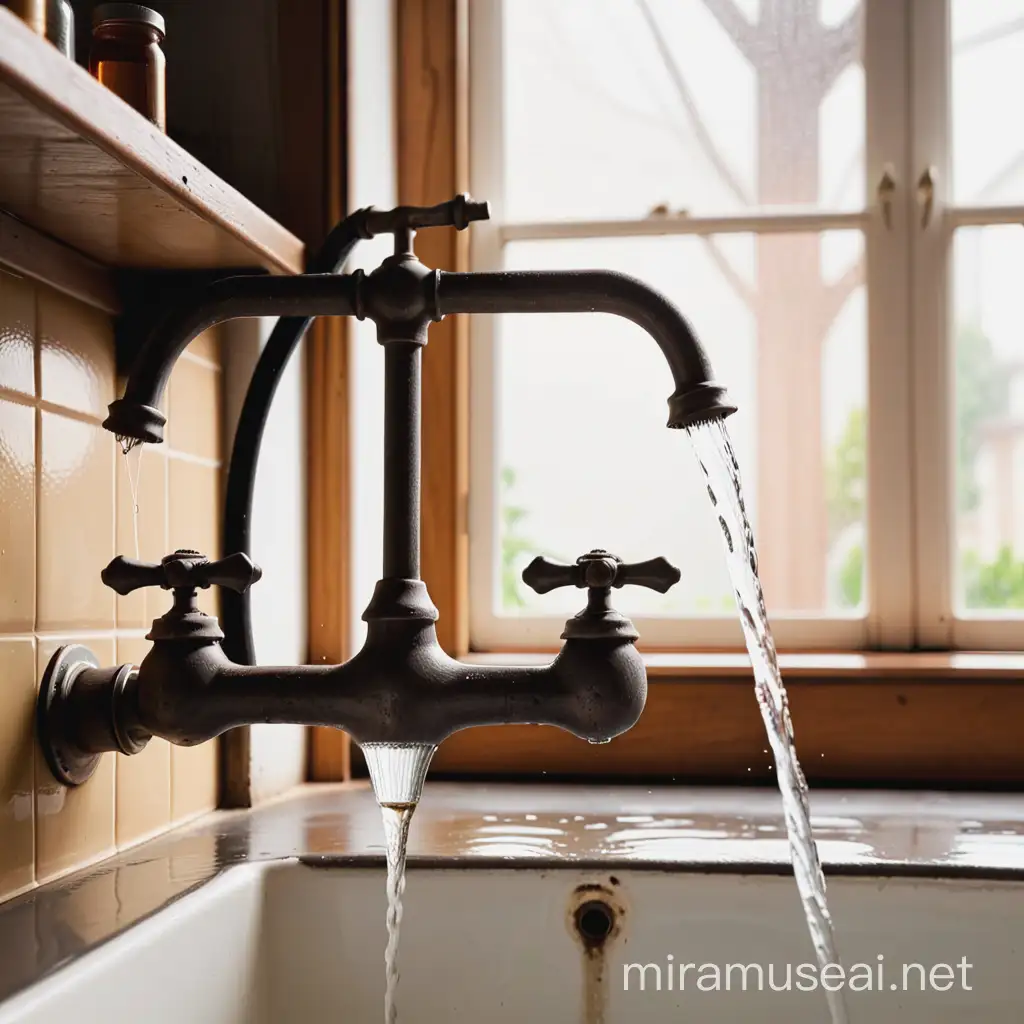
{"type": "Point", "coordinates": [894, 719]}
{"type": "Point", "coordinates": [950, 666]}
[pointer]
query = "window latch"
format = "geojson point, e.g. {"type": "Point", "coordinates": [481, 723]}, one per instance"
{"type": "Point", "coordinates": [926, 194]}
{"type": "Point", "coordinates": [886, 190]}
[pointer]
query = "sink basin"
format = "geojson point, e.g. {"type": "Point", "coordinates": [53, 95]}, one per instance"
{"type": "Point", "coordinates": [290, 941]}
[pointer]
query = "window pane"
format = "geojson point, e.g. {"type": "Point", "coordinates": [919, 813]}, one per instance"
{"type": "Point", "coordinates": [989, 435]}
{"type": "Point", "coordinates": [585, 459]}
{"type": "Point", "coordinates": [988, 72]}
{"type": "Point", "coordinates": [613, 107]}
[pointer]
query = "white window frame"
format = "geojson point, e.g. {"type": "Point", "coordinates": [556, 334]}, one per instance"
{"type": "Point", "coordinates": [939, 626]}
{"type": "Point", "coordinates": [910, 511]}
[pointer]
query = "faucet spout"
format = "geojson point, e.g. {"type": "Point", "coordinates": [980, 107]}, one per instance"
{"type": "Point", "coordinates": [696, 397]}
{"type": "Point", "coordinates": [136, 416]}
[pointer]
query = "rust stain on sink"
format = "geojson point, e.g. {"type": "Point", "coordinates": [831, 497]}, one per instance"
{"type": "Point", "coordinates": [596, 918]}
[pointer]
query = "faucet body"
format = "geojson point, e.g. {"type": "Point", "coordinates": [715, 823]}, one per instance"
{"type": "Point", "coordinates": [401, 687]}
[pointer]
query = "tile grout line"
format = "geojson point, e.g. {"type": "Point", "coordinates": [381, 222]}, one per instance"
{"type": "Point", "coordinates": [197, 460]}
{"type": "Point", "coordinates": [131, 633]}
{"type": "Point", "coordinates": [42, 405]}
{"type": "Point", "coordinates": [16, 397]}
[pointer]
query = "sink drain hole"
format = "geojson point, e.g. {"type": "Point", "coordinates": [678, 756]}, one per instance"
{"type": "Point", "coordinates": [595, 921]}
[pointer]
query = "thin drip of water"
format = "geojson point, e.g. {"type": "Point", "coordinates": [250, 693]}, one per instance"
{"type": "Point", "coordinates": [397, 772]}
{"type": "Point", "coordinates": [396, 837]}
{"type": "Point", "coordinates": [133, 483]}
{"type": "Point", "coordinates": [718, 461]}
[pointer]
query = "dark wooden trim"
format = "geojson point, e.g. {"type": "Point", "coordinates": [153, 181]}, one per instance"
{"type": "Point", "coordinates": [313, 190]}
{"type": "Point", "coordinates": [234, 760]}
{"type": "Point", "coordinates": [328, 528]}
{"type": "Point", "coordinates": [329, 433]}
{"type": "Point", "coordinates": [432, 103]}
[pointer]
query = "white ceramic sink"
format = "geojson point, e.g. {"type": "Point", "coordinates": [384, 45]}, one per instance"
{"type": "Point", "coordinates": [289, 942]}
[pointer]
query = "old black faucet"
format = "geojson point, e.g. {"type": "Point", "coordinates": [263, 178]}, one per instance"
{"type": "Point", "coordinates": [400, 688]}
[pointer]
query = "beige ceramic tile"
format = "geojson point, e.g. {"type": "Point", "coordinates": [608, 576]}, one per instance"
{"type": "Point", "coordinates": [193, 418]}
{"type": "Point", "coordinates": [74, 826]}
{"type": "Point", "coordinates": [207, 345]}
{"type": "Point", "coordinates": [143, 788]}
{"type": "Point", "coordinates": [17, 333]}
{"type": "Point", "coordinates": [193, 780]}
{"type": "Point", "coordinates": [17, 722]}
{"type": "Point", "coordinates": [76, 525]}
{"type": "Point", "coordinates": [194, 514]}
{"type": "Point", "coordinates": [76, 353]}
{"type": "Point", "coordinates": [17, 518]}
{"type": "Point", "coordinates": [148, 465]}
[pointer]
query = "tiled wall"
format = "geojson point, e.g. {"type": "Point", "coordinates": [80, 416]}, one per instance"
{"type": "Point", "coordinates": [65, 510]}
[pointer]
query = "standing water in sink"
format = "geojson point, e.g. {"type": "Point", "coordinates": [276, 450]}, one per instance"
{"type": "Point", "coordinates": [717, 460]}
{"type": "Point", "coordinates": [397, 771]}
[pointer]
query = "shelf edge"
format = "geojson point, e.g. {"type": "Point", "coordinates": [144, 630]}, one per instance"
{"type": "Point", "coordinates": [37, 70]}
{"type": "Point", "coordinates": [30, 252]}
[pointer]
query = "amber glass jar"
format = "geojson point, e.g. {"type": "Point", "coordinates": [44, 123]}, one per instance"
{"type": "Point", "coordinates": [32, 12]}
{"type": "Point", "coordinates": [126, 57]}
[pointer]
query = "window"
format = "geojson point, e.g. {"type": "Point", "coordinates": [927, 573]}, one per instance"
{"type": "Point", "coordinates": [830, 192]}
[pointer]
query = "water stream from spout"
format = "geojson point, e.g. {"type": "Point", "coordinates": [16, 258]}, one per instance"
{"type": "Point", "coordinates": [718, 461]}
{"type": "Point", "coordinates": [397, 771]}
{"type": "Point", "coordinates": [397, 818]}
{"type": "Point", "coordinates": [133, 453]}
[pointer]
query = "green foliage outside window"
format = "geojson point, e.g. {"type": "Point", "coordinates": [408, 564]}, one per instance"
{"type": "Point", "coordinates": [998, 584]}
{"type": "Point", "coordinates": [981, 395]}
{"type": "Point", "coordinates": [514, 546]}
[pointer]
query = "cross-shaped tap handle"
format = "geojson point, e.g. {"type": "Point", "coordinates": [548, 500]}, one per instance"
{"type": "Point", "coordinates": [184, 569]}
{"type": "Point", "coordinates": [599, 568]}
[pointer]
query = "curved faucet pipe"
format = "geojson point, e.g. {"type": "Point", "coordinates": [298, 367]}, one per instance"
{"type": "Point", "coordinates": [136, 415]}
{"type": "Point", "coordinates": [432, 295]}
{"type": "Point", "coordinates": [288, 332]}
{"type": "Point", "coordinates": [696, 396]}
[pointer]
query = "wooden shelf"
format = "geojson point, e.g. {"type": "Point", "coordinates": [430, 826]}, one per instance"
{"type": "Point", "coordinates": [80, 165]}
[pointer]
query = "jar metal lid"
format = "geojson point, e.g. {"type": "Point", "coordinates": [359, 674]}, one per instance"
{"type": "Point", "coordinates": [129, 12]}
